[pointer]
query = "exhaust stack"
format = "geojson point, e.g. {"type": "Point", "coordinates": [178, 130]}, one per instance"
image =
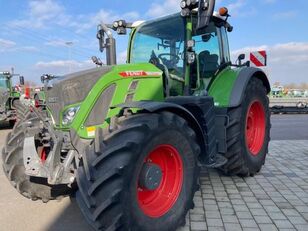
{"type": "Point", "coordinates": [110, 43]}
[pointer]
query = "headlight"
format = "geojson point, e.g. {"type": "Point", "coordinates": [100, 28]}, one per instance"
{"type": "Point", "coordinates": [69, 115]}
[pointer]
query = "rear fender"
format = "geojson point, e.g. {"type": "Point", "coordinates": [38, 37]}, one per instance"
{"type": "Point", "coordinates": [238, 90]}
{"type": "Point", "coordinates": [229, 86]}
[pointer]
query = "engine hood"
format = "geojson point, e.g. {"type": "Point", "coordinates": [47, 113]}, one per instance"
{"type": "Point", "coordinates": [72, 89]}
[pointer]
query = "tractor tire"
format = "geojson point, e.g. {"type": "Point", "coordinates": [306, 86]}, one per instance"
{"type": "Point", "coordinates": [21, 109]}
{"type": "Point", "coordinates": [111, 194]}
{"type": "Point", "coordinates": [12, 162]}
{"type": "Point", "coordinates": [248, 132]}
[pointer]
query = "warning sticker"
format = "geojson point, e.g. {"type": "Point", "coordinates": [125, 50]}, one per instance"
{"type": "Point", "coordinates": [91, 131]}
{"type": "Point", "coordinates": [258, 58]}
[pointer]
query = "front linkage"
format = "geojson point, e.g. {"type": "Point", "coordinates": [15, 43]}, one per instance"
{"type": "Point", "coordinates": [48, 153]}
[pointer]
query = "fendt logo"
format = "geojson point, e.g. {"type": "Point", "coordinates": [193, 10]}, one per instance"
{"type": "Point", "coordinates": [138, 74]}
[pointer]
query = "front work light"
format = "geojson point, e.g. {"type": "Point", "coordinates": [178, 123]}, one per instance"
{"type": "Point", "coordinates": [69, 115]}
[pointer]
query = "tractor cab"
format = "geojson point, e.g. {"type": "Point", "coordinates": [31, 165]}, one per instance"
{"type": "Point", "coordinates": [4, 81]}
{"type": "Point", "coordinates": [163, 42]}
{"type": "Point", "coordinates": [5, 90]}
{"type": "Point", "coordinates": [189, 52]}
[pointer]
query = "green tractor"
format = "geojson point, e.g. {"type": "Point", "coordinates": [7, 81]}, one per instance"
{"type": "Point", "coordinates": [133, 137]}
{"type": "Point", "coordinates": [9, 97]}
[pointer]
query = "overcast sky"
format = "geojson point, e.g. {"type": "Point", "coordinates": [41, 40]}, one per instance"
{"type": "Point", "coordinates": [34, 34]}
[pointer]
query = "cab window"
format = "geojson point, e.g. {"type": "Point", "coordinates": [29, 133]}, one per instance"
{"type": "Point", "coordinates": [207, 50]}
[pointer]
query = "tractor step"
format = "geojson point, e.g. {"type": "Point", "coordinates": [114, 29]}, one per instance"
{"type": "Point", "coordinates": [219, 161]}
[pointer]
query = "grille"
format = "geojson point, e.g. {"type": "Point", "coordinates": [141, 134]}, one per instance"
{"type": "Point", "coordinates": [72, 89]}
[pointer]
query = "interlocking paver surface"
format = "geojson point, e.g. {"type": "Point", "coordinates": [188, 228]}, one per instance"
{"type": "Point", "coordinates": [275, 199]}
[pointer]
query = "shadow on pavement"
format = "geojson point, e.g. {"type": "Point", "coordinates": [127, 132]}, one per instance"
{"type": "Point", "coordinates": [71, 218]}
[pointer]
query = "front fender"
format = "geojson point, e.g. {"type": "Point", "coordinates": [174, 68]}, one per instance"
{"type": "Point", "coordinates": [182, 111]}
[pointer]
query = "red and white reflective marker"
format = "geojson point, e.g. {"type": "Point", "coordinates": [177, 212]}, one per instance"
{"type": "Point", "coordinates": [258, 58]}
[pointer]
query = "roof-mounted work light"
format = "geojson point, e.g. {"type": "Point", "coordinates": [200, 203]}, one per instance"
{"type": "Point", "coordinates": [120, 26]}
{"type": "Point", "coordinates": [187, 6]}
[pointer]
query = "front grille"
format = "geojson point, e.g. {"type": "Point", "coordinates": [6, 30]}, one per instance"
{"type": "Point", "coordinates": [72, 89]}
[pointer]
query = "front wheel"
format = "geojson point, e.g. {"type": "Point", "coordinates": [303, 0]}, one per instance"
{"type": "Point", "coordinates": [248, 132]}
{"type": "Point", "coordinates": [14, 169]}
{"type": "Point", "coordinates": [143, 175]}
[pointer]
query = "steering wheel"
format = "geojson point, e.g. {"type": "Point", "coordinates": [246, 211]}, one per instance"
{"type": "Point", "coordinates": [174, 59]}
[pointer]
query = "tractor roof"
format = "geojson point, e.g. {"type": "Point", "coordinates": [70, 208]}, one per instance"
{"type": "Point", "coordinates": [166, 24]}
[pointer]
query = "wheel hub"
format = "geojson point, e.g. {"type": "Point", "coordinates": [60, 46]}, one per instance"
{"type": "Point", "coordinates": [165, 166]}
{"type": "Point", "coordinates": [150, 176]}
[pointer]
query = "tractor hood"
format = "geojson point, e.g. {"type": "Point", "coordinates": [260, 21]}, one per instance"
{"type": "Point", "coordinates": [72, 89]}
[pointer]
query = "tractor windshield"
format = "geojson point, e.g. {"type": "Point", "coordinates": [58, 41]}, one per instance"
{"type": "Point", "coordinates": [161, 42]}
{"type": "Point", "coordinates": [3, 82]}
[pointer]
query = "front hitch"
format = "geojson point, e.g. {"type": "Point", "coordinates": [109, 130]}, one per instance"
{"type": "Point", "coordinates": [56, 166]}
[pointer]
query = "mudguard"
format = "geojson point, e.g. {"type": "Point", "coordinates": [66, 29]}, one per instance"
{"type": "Point", "coordinates": [154, 106]}
{"type": "Point", "coordinates": [197, 111]}
{"type": "Point", "coordinates": [241, 82]}
{"type": "Point", "coordinates": [228, 88]}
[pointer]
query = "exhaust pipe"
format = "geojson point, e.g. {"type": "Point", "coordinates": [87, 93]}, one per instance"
{"type": "Point", "coordinates": [109, 44]}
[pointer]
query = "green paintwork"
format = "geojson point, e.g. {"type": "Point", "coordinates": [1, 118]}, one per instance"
{"type": "Point", "coordinates": [149, 88]}
{"type": "Point", "coordinates": [222, 86]}
{"type": "Point", "coordinates": [12, 95]}
{"type": "Point", "coordinates": [189, 28]}
{"type": "Point", "coordinates": [15, 94]}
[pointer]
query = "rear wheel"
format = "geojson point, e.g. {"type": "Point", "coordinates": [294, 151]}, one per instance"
{"type": "Point", "coordinates": [142, 176]}
{"type": "Point", "coordinates": [248, 132]}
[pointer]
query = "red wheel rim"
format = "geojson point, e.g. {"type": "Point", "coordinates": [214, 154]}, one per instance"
{"type": "Point", "coordinates": [255, 127]}
{"type": "Point", "coordinates": [158, 202]}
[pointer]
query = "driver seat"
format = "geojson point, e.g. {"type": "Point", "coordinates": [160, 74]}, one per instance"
{"type": "Point", "coordinates": [208, 64]}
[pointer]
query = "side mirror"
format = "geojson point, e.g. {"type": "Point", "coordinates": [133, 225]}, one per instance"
{"type": "Point", "coordinates": [240, 58]}
{"type": "Point", "coordinates": [47, 77]}
{"type": "Point", "coordinates": [205, 12]}
{"type": "Point", "coordinates": [97, 61]}
{"type": "Point", "coordinates": [43, 78]}
{"type": "Point", "coordinates": [21, 80]}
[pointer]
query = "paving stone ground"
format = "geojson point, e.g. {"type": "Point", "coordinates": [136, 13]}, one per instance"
{"type": "Point", "coordinates": [275, 199]}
